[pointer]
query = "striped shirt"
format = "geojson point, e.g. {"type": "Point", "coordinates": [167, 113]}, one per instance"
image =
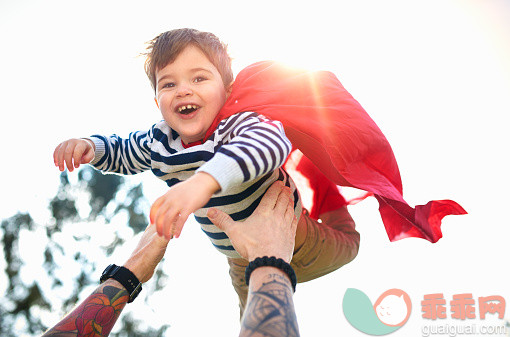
{"type": "Point", "coordinates": [245, 155]}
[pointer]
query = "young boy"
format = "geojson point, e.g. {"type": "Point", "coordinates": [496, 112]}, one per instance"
{"type": "Point", "coordinates": [231, 169]}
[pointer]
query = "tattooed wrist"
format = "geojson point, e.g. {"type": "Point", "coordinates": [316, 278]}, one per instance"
{"type": "Point", "coordinates": [281, 277]}
{"type": "Point", "coordinates": [96, 315]}
{"type": "Point", "coordinates": [270, 309]}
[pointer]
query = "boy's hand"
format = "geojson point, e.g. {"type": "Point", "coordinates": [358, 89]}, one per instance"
{"type": "Point", "coordinates": [170, 211]}
{"type": "Point", "coordinates": [72, 153]}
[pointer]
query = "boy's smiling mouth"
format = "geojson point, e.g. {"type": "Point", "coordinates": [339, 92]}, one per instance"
{"type": "Point", "coordinates": [187, 109]}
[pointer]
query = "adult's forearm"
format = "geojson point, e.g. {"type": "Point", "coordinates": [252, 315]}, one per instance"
{"type": "Point", "coordinates": [96, 315]}
{"type": "Point", "coordinates": [270, 308]}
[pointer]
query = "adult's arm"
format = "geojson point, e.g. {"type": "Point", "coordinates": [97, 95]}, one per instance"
{"type": "Point", "coordinates": [269, 231]}
{"type": "Point", "coordinates": [270, 306]}
{"type": "Point", "coordinates": [97, 314]}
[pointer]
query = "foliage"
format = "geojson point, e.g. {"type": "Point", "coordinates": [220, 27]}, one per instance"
{"type": "Point", "coordinates": [86, 223]}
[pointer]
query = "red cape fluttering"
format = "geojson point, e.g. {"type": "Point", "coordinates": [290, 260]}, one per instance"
{"type": "Point", "coordinates": [330, 127]}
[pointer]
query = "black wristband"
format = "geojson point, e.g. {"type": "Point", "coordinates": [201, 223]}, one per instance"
{"type": "Point", "coordinates": [271, 262]}
{"type": "Point", "coordinates": [125, 277]}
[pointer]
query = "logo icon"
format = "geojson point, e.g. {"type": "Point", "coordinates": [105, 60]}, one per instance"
{"type": "Point", "coordinates": [388, 314]}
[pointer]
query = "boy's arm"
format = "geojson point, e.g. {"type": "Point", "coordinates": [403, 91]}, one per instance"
{"type": "Point", "coordinates": [110, 154]}
{"type": "Point", "coordinates": [257, 146]}
{"type": "Point", "coordinates": [125, 156]}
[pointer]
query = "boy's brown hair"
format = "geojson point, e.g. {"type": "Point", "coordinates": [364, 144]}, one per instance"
{"type": "Point", "coordinates": [165, 48]}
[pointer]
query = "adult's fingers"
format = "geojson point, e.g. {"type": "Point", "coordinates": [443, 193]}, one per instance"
{"type": "Point", "coordinates": [289, 216]}
{"type": "Point", "coordinates": [294, 223]}
{"type": "Point", "coordinates": [283, 200]}
{"type": "Point", "coordinates": [220, 219]}
{"type": "Point", "coordinates": [271, 196]}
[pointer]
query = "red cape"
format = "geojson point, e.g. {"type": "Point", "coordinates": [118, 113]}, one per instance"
{"type": "Point", "coordinates": [332, 129]}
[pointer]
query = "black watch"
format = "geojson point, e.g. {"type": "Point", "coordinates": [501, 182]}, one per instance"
{"type": "Point", "coordinates": [125, 277]}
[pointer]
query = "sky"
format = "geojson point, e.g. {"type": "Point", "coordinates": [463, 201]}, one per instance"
{"type": "Point", "coordinates": [434, 75]}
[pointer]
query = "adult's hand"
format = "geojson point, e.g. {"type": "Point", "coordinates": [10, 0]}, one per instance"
{"type": "Point", "coordinates": [269, 231]}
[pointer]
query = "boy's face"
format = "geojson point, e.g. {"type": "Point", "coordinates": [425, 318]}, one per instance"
{"type": "Point", "coordinates": [190, 93]}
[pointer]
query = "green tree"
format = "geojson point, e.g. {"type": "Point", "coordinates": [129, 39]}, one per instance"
{"type": "Point", "coordinates": [71, 247]}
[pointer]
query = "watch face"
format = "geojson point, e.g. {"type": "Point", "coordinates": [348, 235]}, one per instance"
{"type": "Point", "coordinates": [108, 272]}
{"type": "Point", "coordinates": [125, 277]}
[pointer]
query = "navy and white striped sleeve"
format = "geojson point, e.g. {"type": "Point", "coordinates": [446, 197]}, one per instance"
{"type": "Point", "coordinates": [257, 146]}
{"type": "Point", "coordinates": [124, 156]}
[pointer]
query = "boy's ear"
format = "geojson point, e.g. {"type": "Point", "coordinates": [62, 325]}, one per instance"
{"type": "Point", "coordinates": [228, 89]}
{"type": "Point", "coordinates": [156, 100]}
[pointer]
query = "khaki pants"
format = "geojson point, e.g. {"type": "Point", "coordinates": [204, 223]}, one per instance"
{"type": "Point", "coordinates": [328, 245]}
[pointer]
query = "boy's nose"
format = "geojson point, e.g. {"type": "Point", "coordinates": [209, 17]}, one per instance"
{"type": "Point", "coordinates": [184, 90]}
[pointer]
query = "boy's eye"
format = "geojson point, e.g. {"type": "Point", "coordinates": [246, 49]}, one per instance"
{"type": "Point", "coordinates": [168, 85]}
{"type": "Point", "coordinates": [199, 79]}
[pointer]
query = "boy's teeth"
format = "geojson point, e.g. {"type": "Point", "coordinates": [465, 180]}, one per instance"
{"type": "Point", "coordinates": [189, 106]}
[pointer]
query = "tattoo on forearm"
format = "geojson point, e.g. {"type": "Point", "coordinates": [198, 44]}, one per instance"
{"type": "Point", "coordinates": [270, 311]}
{"type": "Point", "coordinates": [95, 316]}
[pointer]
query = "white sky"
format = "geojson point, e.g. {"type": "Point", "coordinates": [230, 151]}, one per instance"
{"type": "Point", "coordinates": [434, 75]}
